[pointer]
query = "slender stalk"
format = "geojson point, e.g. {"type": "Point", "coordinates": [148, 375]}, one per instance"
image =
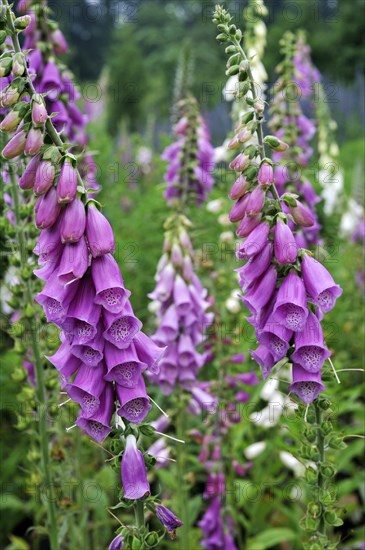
{"type": "Point", "coordinates": [320, 446]}
{"type": "Point", "coordinates": [182, 493]}
{"type": "Point", "coordinates": [41, 392]}
{"type": "Point", "coordinates": [139, 513]}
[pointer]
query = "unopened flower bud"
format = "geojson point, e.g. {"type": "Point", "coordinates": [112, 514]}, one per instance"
{"type": "Point", "coordinates": [34, 141]}
{"type": "Point", "coordinates": [266, 174]}
{"type": "Point", "coordinates": [18, 65]}
{"type": "Point", "coordinates": [3, 36]}
{"type": "Point", "coordinates": [5, 66]}
{"type": "Point", "coordinates": [39, 111]}
{"type": "Point", "coordinates": [59, 42]}
{"type": "Point", "coordinates": [275, 143]}
{"type": "Point", "coordinates": [302, 215]}
{"type": "Point", "coordinates": [15, 146]}
{"type": "Point", "coordinates": [22, 22]}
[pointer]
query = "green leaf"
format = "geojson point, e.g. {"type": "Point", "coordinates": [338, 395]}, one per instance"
{"type": "Point", "coordinates": [270, 537]}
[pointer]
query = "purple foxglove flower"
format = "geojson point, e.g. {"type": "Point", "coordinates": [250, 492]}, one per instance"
{"type": "Point", "coordinates": [49, 239]}
{"type": "Point", "coordinates": [261, 291]}
{"type": "Point", "coordinates": [99, 232]}
{"type": "Point", "coordinates": [33, 142]}
{"type": "Point", "coordinates": [67, 183]}
{"type": "Point", "coordinates": [266, 174]}
{"type": "Point", "coordinates": [239, 188]}
{"type": "Point", "coordinates": [186, 351]}
{"type": "Point", "coordinates": [310, 351]}
{"type": "Point", "coordinates": [74, 262]}
{"type": "Point", "coordinates": [134, 402]}
{"type": "Point", "coordinates": [52, 262]}
{"type": "Point", "coordinates": [319, 283]}
{"type": "Point", "coordinates": [90, 353]}
{"type": "Point", "coordinates": [83, 315]}
{"type": "Point", "coordinates": [265, 360]}
{"type": "Point", "coordinates": [291, 303]}
{"type": "Point", "coordinates": [133, 471]}
{"type": "Point", "coordinates": [44, 177]}
{"type": "Point", "coordinates": [206, 401]}
{"type": "Point", "coordinates": [59, 43]}
{"type": "Point", "coordinates": [51, 81]}
{"type": "Point", "coordinates": [116, 543]}
{"type": "Point", "coordinates": [87, 387]}
{"type": "Point", "coordinates": [165, 284]}
{"type": "Point", "coordinates": [181, 294]}
{"type": "Point", "coordinates": [48, 209]}
{"type": "Point", "coordinates": [98, 425]}
{"type": "Point", "coordinates": [167, 518]}
{"type": "Point", "coordinates": [176, 255]}
{"type": "Point", "coordinates": [247, 225]}
{"type": "Point", "coordinates": [275, 337]}
{"type": "Point", "coordinates": [39, 113]}
{"type": "Point", "coordinates": [148, 352]}
{"type": "Point", "coordinates": [239, 209]}
{"type": "Point", "coordinates": [302, 215]}
{"type": "Point", "coordinates": [257, 265]}
{"type": "Point", "coordinates": [66, 363]}
{"type": "Point", "coordinates": [242, 396]}
{"type": "Point", "coordinates": [256, 201]}
{"type": "Point", "coordinates": [307, 385]}
{"type": "Point", "coordinates": [238, 358]}
{"type": "Point", "coordinates": [29, 175]}
{"type": "Point", "coordinates": [124, 365]}
{"type": "Point", "coordinates": [56, 298]}
{"type": "Point", "coordinates": [285, 246]}
{"type": "Point", "coordinates": [15, 146]}
{"type": "Point", "coordinates": [254, 243]}
{"type": "Point", "coordinates": [121, 328]}
{"type": "Point", "coordinates": [11, 121]}
{"type": "Point", "coordinates": [73, 222]}
{"type": "Point", "coordinates": [61, 119]}
{"type": "Point", "coordinates": [109, 285]}
{"type": "Point", "coordinates": [239, 163]}
{"type": "Point", "coordinates": [169, 327]}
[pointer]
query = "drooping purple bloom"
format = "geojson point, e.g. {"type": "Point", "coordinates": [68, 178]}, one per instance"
{"type": "Point", "coordinates": [261, 291]}
{"type": "Point", "coordinates": [48, 209]}
{"type": "Point", "coordinates": [168, 518]}
{"type": "Point", "coordinates": [133, 471]}
{"type": "Point", "coordinates": [310, 351]}
{"type": "Point", "coordinates": [28, 177]}
{"type": "Point", "coordinates": [121, 328]}
{"type": "Point", "coordinates": [99, 232]}
{"type": "Point", "coordinates": [97, 426]}
{"type": "Point", "coordinates": [83, 315]}
{"type": "Point", "coordinates": [87, 387]}
{"type": "Point", "coordinates": [291, 303]}
{"type": "Point", "coordinates": [254, 243]}
{"type": "Point", "coordinates": [109, 286]}
{"type": "Point", "coordinates": [275, 337]}
{"type": "Point", "coordinates": [124, 365]}
{"type": "Point", "coordinates": [307, 385]}
{"type": "Point", "coordinates": [285, 246]}
{"type": "Point", "coordinates": [73, 222]}
{"type": "Point", "coordinates": [319, 283]}
{"type": "Point", "coordinates": [74, 262]}
{"type": "Point", "coordinates": [67, 183]}
{"type": "Point", "coordinates": [116, 543]}
{"type": "Point", "coordinates": [134, 402]}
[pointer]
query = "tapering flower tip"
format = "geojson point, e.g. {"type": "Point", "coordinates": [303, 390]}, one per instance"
{"type": "Point", "coordinates": [261, 291]}
{"type": "Point", "coordinates": [109, 286]}
{"type": "Point", "coordinates": [254, 243]}
{"type": "Point", "coordinates": [55, 299]}
{"type": "Point", "coordinates": [148, 352]}
{"type": "Point", "coordinates": [186, 350]}
{"type": "Point", "coordinates": [124, 365]}
{"type": "Point", "coordinates": [307, 385]}
{"type": "Point", "coordinates": [15, 146]}
{"type": "Point", "coordinates": [59, 42]}
{"type": "Point", "coordinates": [182, 299]}
{"type": "Point", "coordinates": [67, 183]}
{"type": "Point", "coordinates": [291, 303]}
{"type": "Point", "coordinates": [285, 246]}
{"type": "Point", "coordinates": [116, 543]}
{"type": "Point", "coordinates": [310, 351]}
{"type": "Point", "coordinates": [97, 426]}
{"type": "Point", "coordinates": [73, 222]}
{"type": "Point", "coordinates": [65, 362]}
{"type": "Point", "coordinates": [74, 262]}
{"type": "Point", "coordinates": [134, 402]}
{"type": "Point", "coordinates": [239, 188]}
{"type": "Point", "coordinates": [33, 142]}
{"type": "Point", "coordinates": [302, 215]}
{"type": "Point", "coordinates": [28, 177]}
{"type": "Point", "coordinates": [51, 81]}
{"type": "Point", "coordinates": [257, 265]}
{"type": "Point", "coordinates": [83, 315]}
{"type": "Point", "coordinates": [247, 225]}
{"type": "Point", "coordinates": [266, 174]}
{"type": "Point", "coordinates": [256, 201]}
{"type": "Point", "coordinates": [133, 471]}
{"type": "Point", "coordinates": [238, 210]}
{"type": "Point", "coordinates": [11, 121]}
{"type": "Point", "coordinates": [87, 388]}
{"type": "Point", "coordinates": [44, 177]}
{"type": "Point", "coordinates": [165, 284]}
{"type": "Point", "coordinates": [99, 232]}
{"type": "Point", "coordinates": [177, 257]}
{"type": "Point", "coordinates": [239, 163]}
{"type": "Point", "coordinates": [48, 209]}
{"type": "Point", "coordinates": [39, 112]}
{"type": "Point", "coordinates": [121, 328]}
{"type": "Point", "coordinates": [168, 518]}
{"type": "Point", "coordinates": [169, 326]}
{"type": "Point", "coordinates": [50, 264]}
{"type": "Point", "coordinates": [319, 283]}
{"type": "Point", "coordinates": [90, 353]}
{"type": "Point", "coordinates": [275, 337]}
{"type": "Point", "coordinates": [204, 399]}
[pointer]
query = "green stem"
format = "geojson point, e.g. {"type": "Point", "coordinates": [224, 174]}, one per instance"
{"type": "Point", "coordinates": [41, 391]}
{"type": "Point", "coordinates": [182, 492]}
{"type": "Point", "coordinates": [139, 513]}
{"type": "Point", "coordinates": [320, 446]}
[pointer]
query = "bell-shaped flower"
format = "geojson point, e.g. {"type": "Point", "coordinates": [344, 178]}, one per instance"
{"type": "Point", "coordinates": [239, 188]}
{"type": "Point", "coordinates": [87, 387]}
{"type": "Point", "coordinates": [265, 360]}
{"type": "Point", "coordinates": [97, 426]}
{"type": "Point", "coordinates": [133, 471]}
{"type": "Point", "coordinates": [307, 385]}
{"type": "Point", "coordinates": [238, 210]}
{"type": "Point", "coordinates": [261, 291]}
{"type": "Point", "coordinates": [44, 177]}
{"type": "Point", "coordinates": [47, 209]}
{"type": "Point", "coordinates": [65, 362]}
{"type": "Point", "coordinates": [169, 326]}
{"type": "Point", "coordinates": [90, 353]}
{"type": "Point", "coordinates": [28, 177]}
{"type": "Point", "coordinates": [254, 268]}
{"type": "Point", "coordinates": [285, 246]}
{"type": "Point", "coordinates": [83, 314]}
{"type": "Point", "coordinates": [319, 283]}
{"type": "Point", "coordinates": [291, 303]}
{"type": "Point", "coordinates": [99, 232]}
{"type": "Point", "coordinates": [109, 285]}
{"type": "Point", "coordinates": [74, 262]}
{"type": "Point", "coordinates": [73, 222]}
{"type": "Point", "coordinates": [134, 402]}
{"type": "Point", "coordinates": [121, 328]}
{"type": "Point", "coordinates": [168, 519]}
{"type": "Point", "coordinates": [67, 183]}
{"type": "Point", "coordinates": [15, 145]}
{"type": "Point", "coordinates": [310, 351]}
{"type": "Point", "coordinates": [124, 365]}
{"type": "Point", "coordinates": [33, 142]}
{"type": "Point", "coordinates": [116, 543]}
{"type": "Point", "coordinates": [275, 337]}
{"type": "Point", "coordinates": [254, 243]}
{"type": "Point", "coordinates": [181, 296]}
{"type": "Point", "coordinates": [56, 298]}
{"type": "Point", "coordinates": [148, 352]}
{"type": "Point", "coordinates": [248, 224]}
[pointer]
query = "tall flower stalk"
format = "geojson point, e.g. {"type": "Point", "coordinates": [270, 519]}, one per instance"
{"type": "Point", "coordinates": [103, 352]}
